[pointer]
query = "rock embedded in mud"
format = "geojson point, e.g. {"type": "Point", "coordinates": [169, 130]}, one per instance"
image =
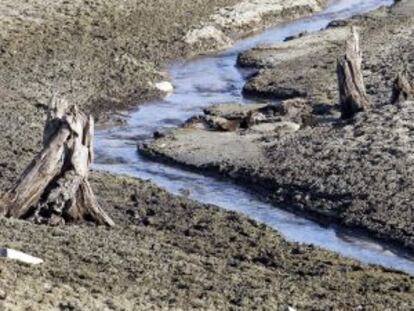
{"type": "Point", "coordinates": [290, 38]}
{"type": "Point", "coordinates": [255, 117]}
{"type": "Point", "coordinates": [232, 111]}
{"type": "Point", "coordinates": [164, 86]}
{"type": "Point", "coordinates": [296, 110]}
{"type": "Point", "coordinates": [338, 23]}
{"type": "Point", "coordinates": [228, 117]}
{"type": "Point", "coordinates": [286, 117]}
{"type": "Point", "coordinates": [159, 134]}
{"type": "Point", "coordinates": [222, 124]}
{"type": "Point", "coordinates": [196, 122]}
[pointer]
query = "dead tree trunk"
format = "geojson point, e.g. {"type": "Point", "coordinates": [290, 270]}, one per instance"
{"type": "Point", "coordinates": [402, 89]}
{"type": "Point", "coordinates": [54, 188]}
{"type": "Point", "coordinates": [352, 93]}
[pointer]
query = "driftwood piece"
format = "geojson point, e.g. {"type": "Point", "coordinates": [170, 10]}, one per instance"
{"type": "Point", "coordinates": [402, 89]}
{"type": "Point", "coordinates": [352, 92]}
{"type": "Point", "coordinates": [54, 189]}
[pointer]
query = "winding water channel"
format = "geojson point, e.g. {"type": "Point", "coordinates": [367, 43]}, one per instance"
{"type": "Point", "coordinates": [215, 79]}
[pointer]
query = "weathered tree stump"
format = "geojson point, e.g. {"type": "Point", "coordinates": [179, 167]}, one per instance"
{"type": "Point", "coordinates": [352, 92]}
{"type": "Point", "coordinates": [402, 89]}
{"type": "Point", "coordinates": [54, 188]}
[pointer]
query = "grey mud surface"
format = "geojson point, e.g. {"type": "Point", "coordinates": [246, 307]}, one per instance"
{"type": "Point", "coordinates": [171, 253]}
{"type": "Point", "coordinates": [356, 173]}
{"type": "Point", "coordinates": [166, 252]}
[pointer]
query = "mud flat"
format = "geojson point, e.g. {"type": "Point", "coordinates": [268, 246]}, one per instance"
{"type": "Point", "coordinates": [303, 156]}
{"type": "Point", "coordinates": [102, 55]}
{"type": "Point", "coordinates": [309, 70]}
{"type": "Point", "coordinates": [107, 56]}
{"type": "Point", "coordinates": [166, 252]}
{"type": "Point", "coordinates": [245, 18]}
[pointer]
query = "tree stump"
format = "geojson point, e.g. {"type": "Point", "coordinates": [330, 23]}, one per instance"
{"type": "Point", "coordinates": [54, 188]}
{"type": "Point", "coordinates": [352, 92]}
{"type": "Point", "coordinates": [402, 89]}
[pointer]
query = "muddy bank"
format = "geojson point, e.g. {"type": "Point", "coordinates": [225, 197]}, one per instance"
{"type": "Point", "coordinates": [107, 56]}
{"type": "Point", "coordinates": [245, 18]}
{"type": "Point", "coordinates": [169, 252]}
{"type": "Point", "coordinates": [166, 252]}
{"type": "Point", "coordinates": [309, 71]}
{"type": "Point", "coordinates": [306, 159]}
{"type": "Point", "coordinates": [102, 54]}
{"type": "Point", "coordinates": [316, 82]}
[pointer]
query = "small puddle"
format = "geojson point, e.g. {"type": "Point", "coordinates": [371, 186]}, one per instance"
{"type": "Point", "coordinates": [215, 79]}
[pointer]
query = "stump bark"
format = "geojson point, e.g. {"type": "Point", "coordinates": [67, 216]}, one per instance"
{"type": "Point", "coordinates": [54, 188]}
{"type": "Point", "coordinates": [352, 92]}
{"type": "Point", "coordinates": [402, 89]}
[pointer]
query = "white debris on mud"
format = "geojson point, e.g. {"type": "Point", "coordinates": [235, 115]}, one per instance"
{"type": "Point", "coordinates": [19, 256]}
{"type": "Point", "coordinates": [165, 87]}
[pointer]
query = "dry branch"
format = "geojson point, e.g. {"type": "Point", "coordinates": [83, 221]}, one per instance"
{"type": "Point", "coordinates": [54, 188]}
{"type": "Point", "coordinates": [352, 92]}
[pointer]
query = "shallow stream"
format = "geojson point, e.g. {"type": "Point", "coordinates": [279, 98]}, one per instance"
{"type": "Point", "coordinates": [215, 79]}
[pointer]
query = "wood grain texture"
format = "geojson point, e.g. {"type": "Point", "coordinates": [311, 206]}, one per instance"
{"type": "Point", "coordinates": [352, 92]}
{"type": "Point", "coordinates": [54, 188]}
